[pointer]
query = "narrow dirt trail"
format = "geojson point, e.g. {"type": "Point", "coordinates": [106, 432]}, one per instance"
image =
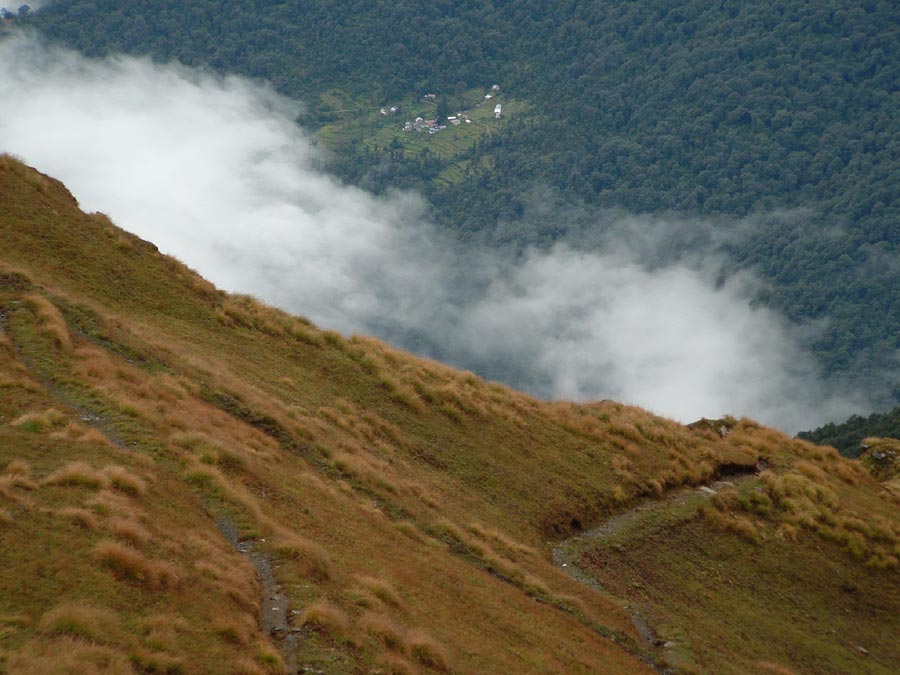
{"type": "Point", "coordinates": [274, 612]}
{"type": "Point", "coordinates": [568, 552]}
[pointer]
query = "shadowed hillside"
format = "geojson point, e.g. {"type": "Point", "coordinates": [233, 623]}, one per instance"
{"type": "Point", "coordinates": [193, 482]}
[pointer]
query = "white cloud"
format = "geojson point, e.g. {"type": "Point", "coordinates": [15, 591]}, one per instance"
{"type": "Point", "coordinates": [33, 5]}
{"type": "Point", "coordinates": [214, 171]}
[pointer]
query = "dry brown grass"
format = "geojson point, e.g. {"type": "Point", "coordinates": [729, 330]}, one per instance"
{"type": "Point", "coordinates": [41, 421]}
{"type": "Point", "coordinates": [410, 530]}
{"type": "Point", "coordinates": [160, 631]}
{"type": "Point", "coordinates": [312, 560]}
{"type": "Point", "coordinates": [11, 486]}
{"type": "Point", "coordinates": [773, 668]}
{"type": "Point", "coordinates": [384, 629]}
{"type": "Point", "coordinates": [109, 502]}
{"type": "Point", "coordinates": [210, 479]}
{"type": "Point", "coordinates": [77, 474]}
{"type": "Point", "coordinates": [80, 517]}
{"type": "Point", "coordinates": [809, 492]}
{"type": "Point", "coordinates": [735, 524]}
{"type": "Point", "coordinates": [849, 472]}
{"type": "Point", "coordinates": [131, 565]}
{"type": "Point", "coordinates": [810, 470]}
{"type": "Point", "coordinates": [235, 584]}
{"type": "Point", "coordinates": [148, 661]}
{"type": "Point", "coordinates": [381, 590]}
{"type": "Point", "coordinates": [270, 659]}
{"type": "Point", "coordinates": [123, 480]}
{"type": "Point", "coordinates": [326, 617]}
{"type": "Point", "coordinates": [67, 656]}
{"type": "Point", "coordinates": [368, 470]}
{"type": "Point", "coordinates": [233, 631]}
{"type": "Point", "coordinates": [74, 431]}
{"type": "Point", "coordinates": [129, 531]}
{"type": "Point", "coordinates": [401, 392]}
{"type": "Point", "coordinates": [247, 666]}
{"type": "Point", "coordinates": [88, 622]}
{"type": "Point", "coordinates": [52, 322]}
{"type": "Point", "coordinates": [394, 664]}
{"type": "Point", "coordinates": [18, 467]}
{"type": "Point", "coordinates": [427, 651]}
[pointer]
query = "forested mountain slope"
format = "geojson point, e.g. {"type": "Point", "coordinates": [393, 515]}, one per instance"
{"type": "Point", "coordinates": [193, 482]}
{"type": "Point", "coordinates": [784, 114]}
{"type": "Point", "coordinates": [848, 435]}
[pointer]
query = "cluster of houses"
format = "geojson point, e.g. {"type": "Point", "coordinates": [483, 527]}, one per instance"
{"type": "Point", "coordinates": [432, 127]}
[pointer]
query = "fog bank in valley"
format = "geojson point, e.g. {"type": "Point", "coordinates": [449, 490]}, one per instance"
{"type": "Point", "coordinates": [215, 171]}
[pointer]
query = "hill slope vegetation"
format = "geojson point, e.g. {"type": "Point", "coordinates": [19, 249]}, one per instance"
{"type": "Point", "coordinates": [848, 436]}
{"type": "Point", "coordinates": [192, 482]}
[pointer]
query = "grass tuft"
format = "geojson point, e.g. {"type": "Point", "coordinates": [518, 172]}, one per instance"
{"type": "Point", "coordinates": [427, 651]}
{"type": "Point", "coordinates": [37, 422]}
{"type": "Point", "coordinates": [53, 325]}
{"type": "Point", "coordinates": [80, 517]}
{"type": "Point", "coordinates": [381, 590]}
{"type": "Point", "coordinates": [326, 617]}
{"type": "Point", "coordinates": [74, 431]}
{"type": "Point", "coordinates": [87, 622]}
{"type": "Point", "coordinates": [123, 480]}
{"type": "Point", "coordinates": [313, 560]}
{"type": "Point", "coordinates": [394, 664]}
{"type": "Point", "coordinates": [129, 531]}
{"type": "Point", "coordinates": [388, 633]}
{"type": "Point", "coordinates": [66, 655]}
{"type": "Point", "coordinates": [77, 474]}
{"type": "Point", "coordinates": [157, 663]}
{"type": "Point", "coordinates": [270, 659]}
{"type": "Point", "coordinates": [232, 631]}
{"type": "Point", "coordinates": [17, 467]}
{"type": "Point", "coordinates": [773, 668]}
{"type": "Point", "coordinates": [129, 564]}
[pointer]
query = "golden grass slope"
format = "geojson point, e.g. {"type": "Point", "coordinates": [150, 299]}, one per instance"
{"type": "Point", "coordinates": [402, 508]}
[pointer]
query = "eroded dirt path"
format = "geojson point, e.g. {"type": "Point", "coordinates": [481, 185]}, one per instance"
{"type": "Point", "coordinates": [275, 612]}
{"type": "Point", "coordinates": [568, 553]}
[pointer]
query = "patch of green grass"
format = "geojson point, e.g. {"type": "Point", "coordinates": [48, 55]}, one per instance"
{"type": "Point", "coordinates": [727, 605]}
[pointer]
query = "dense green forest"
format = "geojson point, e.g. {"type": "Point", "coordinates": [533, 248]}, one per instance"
{"type": "Point", "coordinates": [848, 435]}
{"type": "Point", "coordinates": [783, 114]}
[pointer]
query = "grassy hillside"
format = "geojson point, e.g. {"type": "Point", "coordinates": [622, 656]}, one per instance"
{"type": "Point", "coordinates": [797, 571]}
{"type": "Point", "coordinates": [192, 482]}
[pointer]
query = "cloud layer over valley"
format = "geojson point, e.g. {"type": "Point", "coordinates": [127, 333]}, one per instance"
{"type": "Point", "coordinates": [214, 171]}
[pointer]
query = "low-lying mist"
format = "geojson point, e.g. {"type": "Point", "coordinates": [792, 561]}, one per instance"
{"type": "Point", "coordinates": [215, 171]}
{"type": "Point", "coordinates": [14, 7]}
